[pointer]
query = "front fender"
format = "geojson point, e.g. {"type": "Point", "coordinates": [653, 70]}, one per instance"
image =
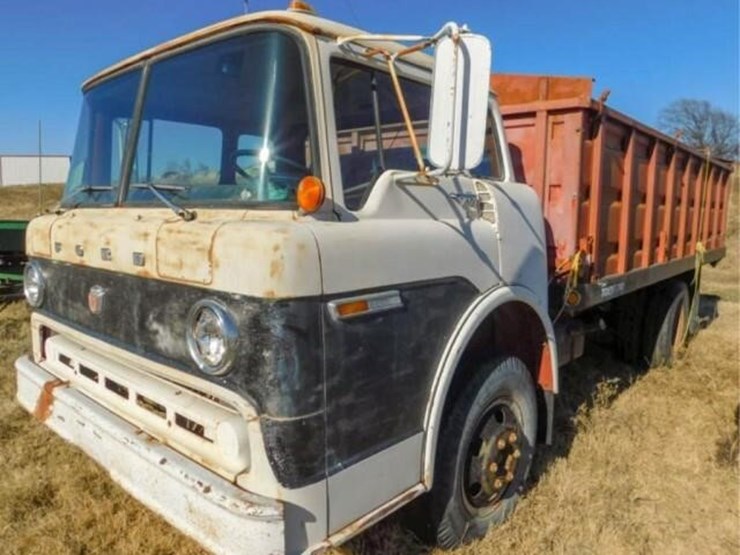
{"type": "Point", "coordinates": [478, 312]}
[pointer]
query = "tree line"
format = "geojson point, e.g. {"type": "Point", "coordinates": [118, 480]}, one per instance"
{"type": "Point", "coordinates": [702, 126]}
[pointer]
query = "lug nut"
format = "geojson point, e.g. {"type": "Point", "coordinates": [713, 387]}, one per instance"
{"type": "Point", "coordinates": [516, 454]}
{"type": "Point", "coordinates": [512, 437]}
{"type": "Point", "coordinates": [493, 467]}
{"type": "Point", "coordinates": [497, 483]}
{"type": "Point", "coordinates": [501, 443]}
{"type": "Point", "coordinates": [510, 477]}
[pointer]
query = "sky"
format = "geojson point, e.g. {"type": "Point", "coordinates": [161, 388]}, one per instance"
{"type": "Point", "coordinates": [647, 52]}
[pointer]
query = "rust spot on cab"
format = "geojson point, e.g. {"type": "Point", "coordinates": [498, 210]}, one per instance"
{"type": "Point", "coordinates": [364, 522]}
{"type": "Point", "coordinates": [270, 294]}
{"type": "Point", "coordinates": [46, 399]}
{"type": "Point", "coordinates": [276, 268]}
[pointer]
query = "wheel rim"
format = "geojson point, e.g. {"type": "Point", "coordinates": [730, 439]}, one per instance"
{"type": "Point", "coordinates": [494, 458]}
{"type": "Point", "coordinates": [680, 328]}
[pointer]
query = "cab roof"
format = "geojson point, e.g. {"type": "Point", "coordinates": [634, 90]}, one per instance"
{"type": "Point", "coordinates": [306, 22]}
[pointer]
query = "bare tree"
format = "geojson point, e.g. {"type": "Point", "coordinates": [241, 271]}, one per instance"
{"type": "Point", "coordinates": [702, 126]}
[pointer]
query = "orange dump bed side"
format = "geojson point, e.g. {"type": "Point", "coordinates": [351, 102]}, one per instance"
{"type": "Point", "coordinates": [627, 196]}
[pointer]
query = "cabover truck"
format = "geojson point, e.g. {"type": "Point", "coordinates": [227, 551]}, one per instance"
{"type": "Point", "coordinates": [297, 281]}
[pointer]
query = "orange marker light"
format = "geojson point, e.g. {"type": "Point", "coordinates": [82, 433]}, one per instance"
{"type": "Point", "coordinates": [301, 6]}
{"type": "Point", "coordinates": [352, 308]}
{"type": "Point", "coordinates": [310, 194]}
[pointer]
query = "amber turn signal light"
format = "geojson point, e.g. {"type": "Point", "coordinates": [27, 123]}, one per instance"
{"type": "Point", "coordinates": [352, 308]}
{"type": "Point", "coordinates": [301, 6]}
{"type": "Point", "coordinates": [310, 194]}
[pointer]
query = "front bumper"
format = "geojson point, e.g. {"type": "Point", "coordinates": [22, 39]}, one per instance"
{"type": "Point", "coordinates": [222, 517]}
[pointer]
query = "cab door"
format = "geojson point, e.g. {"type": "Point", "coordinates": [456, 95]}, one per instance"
{"type": "Point", "coordinates": [399, 269]}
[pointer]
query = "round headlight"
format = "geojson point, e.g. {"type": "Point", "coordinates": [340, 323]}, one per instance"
{"type": "Point", "coordinates": [33, 284]}
{"type": "Point", "coordinates": [211, 337]}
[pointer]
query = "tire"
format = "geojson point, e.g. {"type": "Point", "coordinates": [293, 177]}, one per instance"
{"type": "Point", "coordinates": [666, 322]}
{"type": "Point", "coordinates": [630, 316]}
{"type": "Point", "coordinates": [494, 420]}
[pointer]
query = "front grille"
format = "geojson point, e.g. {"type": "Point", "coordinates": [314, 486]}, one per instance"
{"type": "Point", "coordinates": [188, 421]}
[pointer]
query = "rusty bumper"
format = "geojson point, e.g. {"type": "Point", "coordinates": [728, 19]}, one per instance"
{"type": "Point", "coordinates": [222, 517]}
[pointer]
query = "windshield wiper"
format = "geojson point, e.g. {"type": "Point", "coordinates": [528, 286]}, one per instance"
{"type": "Point", "coordinates": [157, 188]}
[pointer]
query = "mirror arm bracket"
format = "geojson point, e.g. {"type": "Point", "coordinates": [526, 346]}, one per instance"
{"type": "Point", "coordinates": [405, 112]}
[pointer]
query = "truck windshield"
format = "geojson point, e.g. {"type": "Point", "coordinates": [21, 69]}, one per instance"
{"type": "Point", "coordinates": [102, 131]}
{"type": "Point", "coordinates": [221, 125]}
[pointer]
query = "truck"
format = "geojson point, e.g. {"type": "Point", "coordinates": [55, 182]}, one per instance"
{"type": "Point", "coordinates": [297, 279]}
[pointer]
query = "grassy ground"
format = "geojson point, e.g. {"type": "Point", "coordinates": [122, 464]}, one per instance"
{"type": "Point", "coordinates": [23, 202]}
{"type": "Point", "coordinates": [643, 462]}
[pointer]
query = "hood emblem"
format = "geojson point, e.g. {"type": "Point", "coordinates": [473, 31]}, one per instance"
{"type": "Point", "coordinates": [95, 298]}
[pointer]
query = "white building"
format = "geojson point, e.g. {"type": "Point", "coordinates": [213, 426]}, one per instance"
{"type": "Point", "coordinates": [22, 169]}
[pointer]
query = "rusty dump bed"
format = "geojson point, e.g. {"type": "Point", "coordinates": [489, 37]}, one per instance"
{"type": "Point", "coordinates": [632, 200]}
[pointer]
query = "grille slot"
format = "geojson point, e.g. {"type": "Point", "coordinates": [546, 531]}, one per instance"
{"type": "Point", "coordinates": [191, 426]}
{"type": "Point", "coordinates": [117, 388]}
{"type": "Point", "coordinates": [64, 359]}
{"type": "Point", "coordinates": [89, 373]}
{"type": "Point", "coordinates": [152, 406]}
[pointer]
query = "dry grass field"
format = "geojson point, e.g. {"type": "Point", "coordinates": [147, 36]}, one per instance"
{"type": "Point", "coordinates": [23, 202]}
{"type": "Point", "coordinates": [642, 463]}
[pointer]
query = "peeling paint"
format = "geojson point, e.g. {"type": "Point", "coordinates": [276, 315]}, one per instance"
{"type": "Point", "coordinates": [375, 516]}
{"type": "Point", "coordinates": [276, 268]}
{"type": "Point", "coordinates": [38, 235]}
{"type": "Point", "coordinates": [184, 250]}
{"type": "Point", "coordinates": [45, 401]}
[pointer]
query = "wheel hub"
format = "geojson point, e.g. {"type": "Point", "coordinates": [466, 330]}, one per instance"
{"type": "Point", "coordinates": [494, 457]}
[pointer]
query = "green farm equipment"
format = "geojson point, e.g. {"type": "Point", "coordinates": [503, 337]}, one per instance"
{"type": "Point", "coordinates": [12, 258]}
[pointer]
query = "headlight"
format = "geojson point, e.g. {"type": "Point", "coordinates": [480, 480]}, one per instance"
{"type": "Point", "coordinates": [33, 284]}
{"type": "Point", "coordinates": [211, 336]}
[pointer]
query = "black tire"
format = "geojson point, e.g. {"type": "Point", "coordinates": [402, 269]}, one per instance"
{"type": "Point", "coordinates": [498, 401]}
{"type": "Point", "coordinates": [665, 326]}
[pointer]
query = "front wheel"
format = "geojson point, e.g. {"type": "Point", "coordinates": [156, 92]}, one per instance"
{"type": "Point", "coordinates": [484, 454]}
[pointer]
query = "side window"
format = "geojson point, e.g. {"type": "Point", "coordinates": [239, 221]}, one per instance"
{"type": "Point", "coordinates": [371, 134]}
{"type": "Point", "coordinates": [491, 165]}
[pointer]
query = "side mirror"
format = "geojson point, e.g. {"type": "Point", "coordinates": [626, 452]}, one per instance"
{"type": "Point", "coordinates": [460, 89]}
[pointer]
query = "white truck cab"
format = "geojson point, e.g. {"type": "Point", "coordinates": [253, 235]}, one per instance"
{"type": "Point", "coordinates": [280, 300]}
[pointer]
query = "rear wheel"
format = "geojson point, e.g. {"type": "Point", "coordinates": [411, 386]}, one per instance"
{"type": "Point", "coordinates": [666, 322]}
{"type": "Point", "coordinates": [483, 456]}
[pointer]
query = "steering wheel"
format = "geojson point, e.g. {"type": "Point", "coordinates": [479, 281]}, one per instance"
{"type": "Point", "coordinates": [256, 152]}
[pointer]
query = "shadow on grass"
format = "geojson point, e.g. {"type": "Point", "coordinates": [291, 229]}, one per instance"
{"type": "Point", "coordinates": [596, 379]}
{"type": "Point", "coordinates": [728, 447]}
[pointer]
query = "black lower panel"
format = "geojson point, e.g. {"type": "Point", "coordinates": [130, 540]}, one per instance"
{"type": "Point", "coordinates": [380, 369]}
{"type": "Point", "coordinates": [295, 449]}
